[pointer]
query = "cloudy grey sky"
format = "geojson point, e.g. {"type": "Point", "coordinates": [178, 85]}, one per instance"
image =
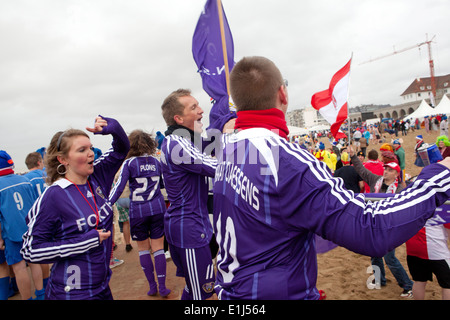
{"type": "Point", "coordinates": [62, 62]}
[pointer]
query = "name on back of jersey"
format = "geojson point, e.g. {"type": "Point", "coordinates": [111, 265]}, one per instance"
{"type": "Point", "coordinates": [147, 167]}
{"type": "Point", "coordinates": [239, 182]}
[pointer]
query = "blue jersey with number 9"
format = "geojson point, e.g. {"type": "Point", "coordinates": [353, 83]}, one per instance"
{"type": "Point", "coordinates": [17, 196]}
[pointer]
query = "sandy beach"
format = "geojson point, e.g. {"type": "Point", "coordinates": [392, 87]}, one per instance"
{"type": "Point", "coordinates": [343, 274]}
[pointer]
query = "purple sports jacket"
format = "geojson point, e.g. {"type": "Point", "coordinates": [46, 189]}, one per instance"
{"type": "Point", "coordinates": [62, 227]}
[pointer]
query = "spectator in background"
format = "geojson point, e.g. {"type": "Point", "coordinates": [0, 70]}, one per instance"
{"type": "Point", "coordinates": [400, 154]}
{"type": "Point", "coordinates": [352, 180]}
{"type": "Point", "coordinates": [325, 156]}
{"type": "Point", "coordinates": [419, 142]}
{"type": "Point", "coordinates": [427, 124]}
{"type": "Point", "coordinates": [444, 146]}
{"type": "Point", "coordinates": [387, 153]}
{"type": "Point", "coordinates": [374, 165]}
{"type": "Point", "coordinates": [367, 135]}
{"type": "Point", "coordinates": [444, 126]}
{"type": "Point", "coordinates": [335, 148]}
{"type": "Point", "coordinates": [428, 254]}
{"type": "Point", "coordinates": [361, 156]}
{"type": "Point", "coordinates": [387, 183]}
{"type": "Point", "coordinates": [159, 139]}
{"type": "Point", "coordinates": [37, 176]}
{"type": "Point", "coordinates": [357, 136]}
{"type": "Point", "coordinates": [17, 196]}
{"type": "Point", "coordinates": [363, 142]}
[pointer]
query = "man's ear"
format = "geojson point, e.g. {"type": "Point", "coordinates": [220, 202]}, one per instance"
{"type": "Point", "coordinates": [178, 119]}
{"type": "Point", "coordinates": [283, 95]}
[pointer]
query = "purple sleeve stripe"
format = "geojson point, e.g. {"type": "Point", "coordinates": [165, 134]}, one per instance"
{"type": "Point", "coordinates": [321, 173]}
{"type": "Point", "coordinates": [195, 154]}
{"type": "Point", "coordinates": [35, 255]}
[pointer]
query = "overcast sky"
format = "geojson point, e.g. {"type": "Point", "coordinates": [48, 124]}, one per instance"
{"type": "Point", "coordinates": [62, 62]}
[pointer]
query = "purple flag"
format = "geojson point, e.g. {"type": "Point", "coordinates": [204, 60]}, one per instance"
{"type": "Point", "coordinates": [208, 55]}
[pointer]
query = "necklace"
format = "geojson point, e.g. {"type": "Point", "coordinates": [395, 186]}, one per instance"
{"type": "Point", "coordinates": [93, 197]}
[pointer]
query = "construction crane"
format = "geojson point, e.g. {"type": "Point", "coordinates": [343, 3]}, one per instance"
{"type": "Point", "coordinates": [430, 60]}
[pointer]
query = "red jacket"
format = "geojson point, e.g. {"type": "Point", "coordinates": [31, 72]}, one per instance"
{"type": "Point", "coordinates": [375, 166]}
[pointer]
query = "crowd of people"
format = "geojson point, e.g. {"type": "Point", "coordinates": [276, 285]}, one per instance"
{"type": "Point", "coordinates": [385, 172]}
{"type": "Point", "coordinates": [270, 197]}
{"type": "Point", "coordinates": [435, 122]}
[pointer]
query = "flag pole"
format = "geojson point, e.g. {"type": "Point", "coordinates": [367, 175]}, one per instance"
{"type": "Point", "coordinates": [348, 94]}
{"type": "Point", "coordinates": [224, 45]}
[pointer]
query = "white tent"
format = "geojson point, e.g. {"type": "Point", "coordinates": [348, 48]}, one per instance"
{"type": "Point", "coordinates": [443, 107]}
{"type": "Point", "coordinates": [423, 110]}
{"type": "Point", "coordinates": [319, 127]}
{"type": "Point", "coordinates": [296, 131]}
{"type": "Point", "coordinates": [372, 121]}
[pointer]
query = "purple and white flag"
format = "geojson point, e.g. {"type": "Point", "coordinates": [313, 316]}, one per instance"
{"type": "Point", "coordinates": [207, 50]}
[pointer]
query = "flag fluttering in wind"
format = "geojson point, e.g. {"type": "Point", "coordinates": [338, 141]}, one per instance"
{"type": "Point", "coordinates": [213, 51]}
{"type": "Point", "coordinates": [332, 102]}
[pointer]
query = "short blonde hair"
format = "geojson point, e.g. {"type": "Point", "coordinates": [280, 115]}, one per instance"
{"type": "Point", "coordinates": [172, 106]}
{"type": "Point", "coordinates": [254, 83]}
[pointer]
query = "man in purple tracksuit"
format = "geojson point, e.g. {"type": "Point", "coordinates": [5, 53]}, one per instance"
{"type": "Point", "coordinates": [71, 223]}
{"type": "Point", "coordinates": [186, 170]}
{"type": "Point", "coordinates": [271, 197]}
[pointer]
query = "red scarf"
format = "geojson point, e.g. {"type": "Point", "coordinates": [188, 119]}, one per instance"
{"type": "Point", "coordinates": [5, 172]}
{"type": "Point", "coordinates": [272, 119]}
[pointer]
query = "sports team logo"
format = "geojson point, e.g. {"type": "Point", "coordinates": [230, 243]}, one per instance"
{"type": "Point", "coordinates": [99, 192]}
{"type": "Point", "coordinates": [208, 287]}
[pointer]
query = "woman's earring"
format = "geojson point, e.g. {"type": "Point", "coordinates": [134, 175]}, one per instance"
{"type": "Point", "coordinates": [58, 169]}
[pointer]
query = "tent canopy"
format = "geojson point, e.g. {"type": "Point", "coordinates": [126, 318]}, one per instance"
{"type": "Point", "coordinates": [423, 110]}
{"type": "Point", "coordinates": [296, 131]}
{"type": "Point", "coordinates": [443, 107]}
{"type": "Point", "coordinates": [372, 121]}
{"type": "Point", "coordinates": [319, 127]}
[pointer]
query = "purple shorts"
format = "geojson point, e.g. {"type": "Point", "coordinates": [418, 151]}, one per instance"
{"type": "Point", "coordinates": [197, 268]}
{"type": "Point", "coordinates": [147, 227]}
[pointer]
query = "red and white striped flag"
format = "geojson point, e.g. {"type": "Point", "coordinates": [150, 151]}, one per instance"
{"type": "Point", "coordinates": [332, 103]}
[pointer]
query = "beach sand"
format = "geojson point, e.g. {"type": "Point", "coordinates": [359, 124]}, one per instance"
{"type": "Point", "coordinates": [342, 274]}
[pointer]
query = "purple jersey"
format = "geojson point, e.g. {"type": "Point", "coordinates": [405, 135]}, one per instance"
{"type": "Point", "coordinates": [185, 172]}
{"type": "Point", "coordinates": [62, 227]}
{"type": "Point", "coordinates": [143, 174]}
{"type": "Point", "coordinates": [271, 198]}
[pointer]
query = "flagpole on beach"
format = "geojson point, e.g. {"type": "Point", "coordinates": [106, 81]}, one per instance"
{"type": "Point", "coordinates": [224, 45]}
{"type": "Point", "coordinates": [348, 94]}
